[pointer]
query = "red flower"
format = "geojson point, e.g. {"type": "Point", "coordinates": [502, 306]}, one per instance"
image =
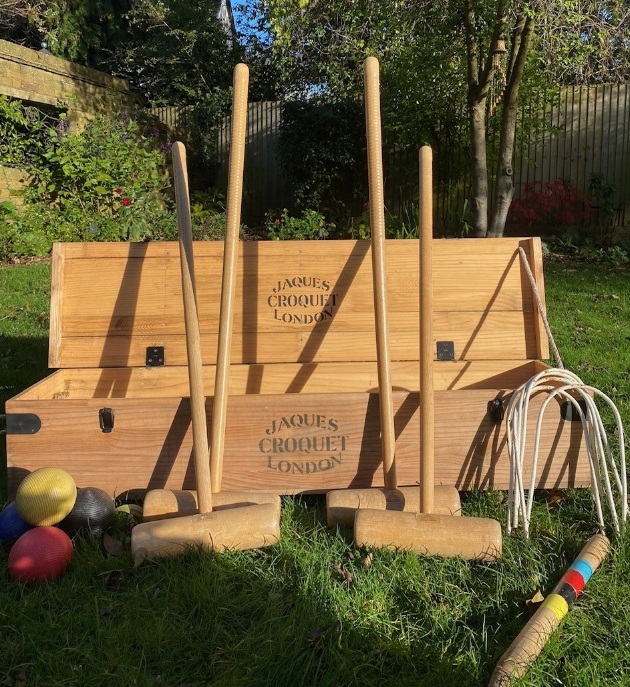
{"type": "Point", "coordinates": [118, 191]}
{"type": "Point", "coordinates": [126, 201]}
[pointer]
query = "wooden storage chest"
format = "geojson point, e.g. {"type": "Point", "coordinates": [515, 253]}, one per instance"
{"type": "Point", "coordinates": [303, 408]}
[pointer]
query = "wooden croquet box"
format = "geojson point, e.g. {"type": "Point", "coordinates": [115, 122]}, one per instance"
{"type": "Point", "coordinates": [303, 407]}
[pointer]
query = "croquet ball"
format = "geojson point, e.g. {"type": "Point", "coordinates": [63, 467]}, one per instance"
{"type": "Point", "coordinates": [12, 525]}
{"type": "Point", "coordinates": [40, 554]}
{"type": "Point", "coordinates": [93, 511]}
{"type": "Point", "coordinates": [46, 496]}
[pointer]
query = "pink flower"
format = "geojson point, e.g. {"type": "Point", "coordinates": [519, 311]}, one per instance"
{"type": "Point", "coordinates": [117, 191]}
{"type": "Point", "coordinates": [126, 201]}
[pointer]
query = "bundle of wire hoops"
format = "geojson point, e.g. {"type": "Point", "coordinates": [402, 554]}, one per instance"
{"type": "Point", "coordinates": [608, 476]}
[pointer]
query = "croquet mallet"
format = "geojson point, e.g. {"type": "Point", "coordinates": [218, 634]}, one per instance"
{"type": "Point", "coordinates": [342, 504]}
{"type": "Point", "coordinates": [428, 532]}
{"type": "Point", "coordinates": [249, 526]}
{"type": "Point", "coordinates": [167, 503]}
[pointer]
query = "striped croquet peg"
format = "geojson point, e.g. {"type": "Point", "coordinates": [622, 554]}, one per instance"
{"type": "Point", "coordinates": [533, 637]}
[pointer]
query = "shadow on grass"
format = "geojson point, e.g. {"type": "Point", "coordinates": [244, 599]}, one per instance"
{"type": "Point", "coordinates": [23, 362]}
{"type": "Point", "coordinates": [283, 616]}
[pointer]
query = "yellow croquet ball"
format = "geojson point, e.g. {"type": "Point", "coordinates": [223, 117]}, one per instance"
{"type": "Point", "coordinates": [45, 496]}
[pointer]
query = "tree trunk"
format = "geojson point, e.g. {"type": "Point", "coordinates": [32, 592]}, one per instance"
{"type": "Point", "coordinates": [505, 172]}
{"type": "Point", "coordinates": [479, 168]}
{"type": "Point", "coordinates": [479, 81]}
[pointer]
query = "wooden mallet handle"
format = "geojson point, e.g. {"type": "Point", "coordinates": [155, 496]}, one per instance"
{"type": "Point", "coordinates": [533, 637]}
{"type": "Point", "coordinates": [228, 284]}
{"type": "Point", "coordinates": [193, 341]}
{"type": "Point", "coordinates": [377, 224]}
{"type": "Point", "coordinates": [427, 443]}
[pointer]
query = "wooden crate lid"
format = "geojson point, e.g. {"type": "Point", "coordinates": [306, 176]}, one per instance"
{"type": "Point", "coordinates": [297, 301]}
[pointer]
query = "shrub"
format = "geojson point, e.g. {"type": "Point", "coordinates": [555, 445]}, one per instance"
{"type": "Point", "coordinates": [322, 151]}
{"type": "Point", "coordinates": [104, 183]}
{"type": "Point", "coordinates": [106, 180]}
{"type": "Point", "coordinates": [557, 202]}
{"type": "Point", "coordinates": [312, 225]}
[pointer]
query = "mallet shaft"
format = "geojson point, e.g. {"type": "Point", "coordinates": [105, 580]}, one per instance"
{"type": "Point", "coordinates": [377, 225]}
{"type": "Point", "coordinates": [228, 284]}
{"type": "Point", "coordinates": [193, 340]}
{"type": "Point", "coordinates": [427, 442]}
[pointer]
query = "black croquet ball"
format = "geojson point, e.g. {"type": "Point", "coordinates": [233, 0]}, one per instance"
{"type": "Point", "coordinates": [92, 512]}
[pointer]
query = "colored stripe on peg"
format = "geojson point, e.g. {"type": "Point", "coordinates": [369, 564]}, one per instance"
{"type": "Point", "coordinates": [576, 580]}
{"type": "Point", "coordinates": [566, 591]}
{"type": "Point", "coordinates": [583, 568]}
{"type": "Point", "coordinates": [554, 602]}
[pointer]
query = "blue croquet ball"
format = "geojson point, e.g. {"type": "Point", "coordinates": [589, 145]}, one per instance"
{"type": "Point", "coordinates": [12, 525]}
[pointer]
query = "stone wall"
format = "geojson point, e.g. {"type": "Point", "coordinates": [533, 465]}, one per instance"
{"type": "Point", "coordinates": [11, 181]}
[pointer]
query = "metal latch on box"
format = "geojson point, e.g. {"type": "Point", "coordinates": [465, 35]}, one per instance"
{"type": "Point", "coordinates": [570, 413]}
{"type": "Point", "coordinates": [106, 420]}
{"type": "Point", "coordinates": [496, 411]}
{"type": "Point", "coordinates": [20, 423]}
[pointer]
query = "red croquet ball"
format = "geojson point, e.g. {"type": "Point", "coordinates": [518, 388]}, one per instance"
{"type": "Point", "coordinates": [40, 554]}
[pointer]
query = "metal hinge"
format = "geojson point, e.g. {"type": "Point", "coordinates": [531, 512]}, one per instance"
{"type": "Point", "coordinates": [155, 356]}
{"type": "Point", "coordinates": [445, 350]}
{"type": "Point", "coordinates": [20, 423]}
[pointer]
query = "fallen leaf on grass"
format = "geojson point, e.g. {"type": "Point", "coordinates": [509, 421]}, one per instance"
{"type": "Point", "coordinates": [317, 634]}
{"type": "Point", "coordinates": [368, 560]}
{"type": "Point", "coordinates": [112, 579]}
{"type": "Point", "coordinates": [556, 497]}
{"type": "Point", "coordinates": [112, 546]}
{"type": "Point", "coordinates": [535, 600]}
{"type": "Point", "coordinates": [104, 612]}
{"type": "Point", "coordinates": [615, 298]}
{"type": "Point", "coordinates": [343, 573]}
{"type": "Point", "coordinates": [140, 556]}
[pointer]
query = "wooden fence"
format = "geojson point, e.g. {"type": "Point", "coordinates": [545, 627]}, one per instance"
{"type": "Point", "coordinates": [586, 133]}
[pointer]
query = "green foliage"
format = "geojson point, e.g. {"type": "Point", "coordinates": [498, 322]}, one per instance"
{"type": "Point", "coordinates": [584, 41]}
{"type": "Point", "coordinates": [103, 183]}
{"type": "Point", "coordinates": [207, 212]}
{"type": "Point", "coordinates": [603, 197]}
{"type": "Point", "coordinates": [312, 225]}
{"type": "Point", "coordinates": [77, 30]}
{"type": "Point", "coordinates": [106, 180]}
{"type": "Point", "coordinates": [404, 226]}
{"type": "Point", "coordinates": [322, 151]}
{"type": "Point", "coordinates": [175, 52]}
{"type": "Point", "coordinates": [574, 243]}
{"type": "Point", "coordinates": [23, 132]}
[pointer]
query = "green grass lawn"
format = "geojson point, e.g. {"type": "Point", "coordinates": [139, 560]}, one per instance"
{"type": "Point", "coordinates": [314, 610]}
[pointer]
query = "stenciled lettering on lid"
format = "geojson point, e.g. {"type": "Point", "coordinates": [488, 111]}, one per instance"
{"type": "Point", "coordinates": [303, 443]}
{"type": "Point", "coordinates": [302, 300]}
